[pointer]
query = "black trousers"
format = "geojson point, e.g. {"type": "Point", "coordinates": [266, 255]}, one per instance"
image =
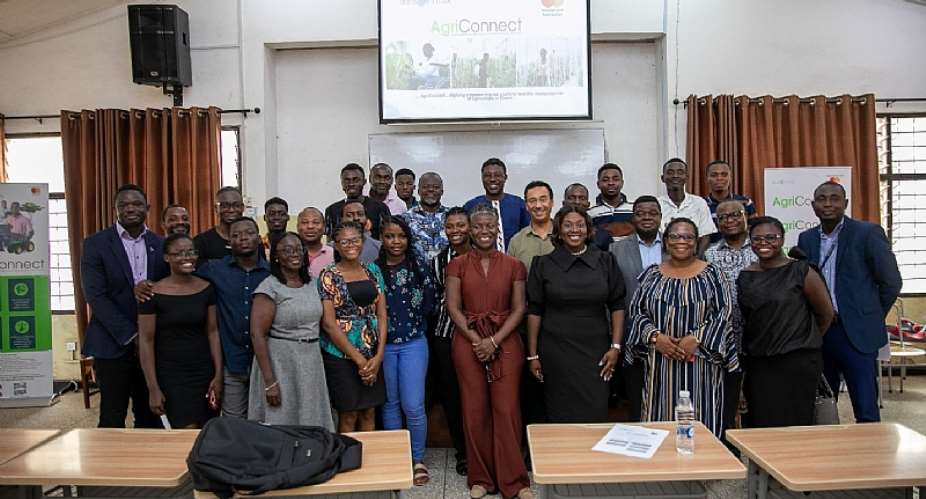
{"type": "Point", "coordinates": [121, 380]}
{"type": "Point", "coordinates": [780, 390]}
{"type": "Point", "coordinates": [446, 389]}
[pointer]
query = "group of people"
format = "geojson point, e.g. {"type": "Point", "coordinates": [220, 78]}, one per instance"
{"type": "Point", "coordinates": [503, 311]}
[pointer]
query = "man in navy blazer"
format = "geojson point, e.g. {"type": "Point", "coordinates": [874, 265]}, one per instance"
{"type": "Point", "coordinates": [861, 273]}
{"type": "Point", "coordinates": [112, 262]}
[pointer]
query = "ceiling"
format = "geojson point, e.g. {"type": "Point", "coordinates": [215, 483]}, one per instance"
{"type": "Point", "coordinates": [20, 18]}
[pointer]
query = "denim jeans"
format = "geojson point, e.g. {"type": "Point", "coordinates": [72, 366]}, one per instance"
{"type": "Point", "coordinates": [405, 367]}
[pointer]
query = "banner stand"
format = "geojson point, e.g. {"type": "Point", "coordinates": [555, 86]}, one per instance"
{"type": "Point", "coordinates": [789, 194]}
{"type": "Point", "coordinates": [25, 297]}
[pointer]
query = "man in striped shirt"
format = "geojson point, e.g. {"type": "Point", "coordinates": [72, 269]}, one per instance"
{"type": "Point", "coordinates": [612, 211]}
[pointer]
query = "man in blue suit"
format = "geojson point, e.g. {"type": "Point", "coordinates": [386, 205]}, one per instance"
{"type": "Point", "coordinates": [512, 212]}
{"type": "Point", "coordinates": [861, 273]}
{"type": "Point", "coordinates": [112, 262]}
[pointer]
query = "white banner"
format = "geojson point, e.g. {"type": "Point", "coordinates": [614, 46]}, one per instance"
{"type": "Point", "coordinates": [25, 308]}
{"type": "Point", "coordinates": [789, 194]}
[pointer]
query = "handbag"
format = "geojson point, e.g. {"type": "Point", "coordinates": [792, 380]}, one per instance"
{"type": "Point", "coordinates": [825, 410]}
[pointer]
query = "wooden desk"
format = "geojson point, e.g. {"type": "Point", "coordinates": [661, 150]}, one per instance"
{"type": "Point", "coordinates": [562, 454]}
{"type": "Point", "coordinates": [104, 457]}
{"type": "Point", "coordinates": [838, 457]}
{"type": "Point", "coordinates": [387, 467]}
{"type": "Point", "coordinates": [14, 442]}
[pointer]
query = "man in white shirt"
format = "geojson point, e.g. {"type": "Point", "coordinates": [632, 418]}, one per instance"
{"type": "Point", "coordinates": [677, 203]}
{"type": "Point", "coordinates": [428, 68]}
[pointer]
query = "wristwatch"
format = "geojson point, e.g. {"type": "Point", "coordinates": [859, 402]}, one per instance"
{"type": "Point", "coordinates": [652, 337]}
{"type": "Point", "coordinates": [616, 346]}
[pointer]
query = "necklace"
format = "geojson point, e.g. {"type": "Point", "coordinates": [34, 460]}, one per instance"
{"type": "Point", "coordinates": [579, 253]}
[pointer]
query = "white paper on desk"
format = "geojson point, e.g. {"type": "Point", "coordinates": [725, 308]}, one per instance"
{"type": "Point", "coordinates": [633, 441]}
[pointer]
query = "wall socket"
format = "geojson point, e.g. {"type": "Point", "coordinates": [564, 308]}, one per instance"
{"type": "Point", "coordinates": [71, 346]}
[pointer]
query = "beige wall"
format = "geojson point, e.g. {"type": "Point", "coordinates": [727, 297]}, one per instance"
{"type": "Point", "coordinates": [64, 363]}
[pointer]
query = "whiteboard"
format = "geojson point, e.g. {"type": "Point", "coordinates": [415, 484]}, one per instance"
{"type": "Point", "coordinates": [559, 157]}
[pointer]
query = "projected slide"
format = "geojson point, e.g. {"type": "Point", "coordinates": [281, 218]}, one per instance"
{"type": "Point", "coordinates": [452, 60]}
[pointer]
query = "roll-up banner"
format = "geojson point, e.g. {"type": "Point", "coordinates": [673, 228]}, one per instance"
{"type": "Point", "coordinates": [25, 299]}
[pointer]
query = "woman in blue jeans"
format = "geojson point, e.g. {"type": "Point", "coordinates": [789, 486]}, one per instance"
{"type": "Point", "coordinates": [410, 295]}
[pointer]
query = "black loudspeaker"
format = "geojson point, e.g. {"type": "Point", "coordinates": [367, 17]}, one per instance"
{"type": "Point", "coordinates": [159, 36]}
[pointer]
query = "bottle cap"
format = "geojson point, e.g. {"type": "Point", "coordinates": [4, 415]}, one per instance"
{"type": "Point", "coordinates": [684, 393]}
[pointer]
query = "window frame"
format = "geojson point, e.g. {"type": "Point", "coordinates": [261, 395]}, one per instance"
{"type": "Point", "coordinates": [238, 169]}
{"type": "Point", "coordinates": [51, 196]}
{"type": "Point", "coordinates": [889, 177]}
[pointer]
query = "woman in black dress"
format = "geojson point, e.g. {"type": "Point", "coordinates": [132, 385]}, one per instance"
{"type": "Point", "coordinates": [786, 310]}
{"type": "Point", "coordinates": [179, 341]}
{"type": "Point", "coordinates": [575, 321]}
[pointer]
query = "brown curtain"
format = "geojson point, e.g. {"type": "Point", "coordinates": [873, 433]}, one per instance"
{"type": "Point", "coordinates": [3, 177]}
{"type": "Point", "coordinates": [755, 133]}
{"type": "Point", "coordinates": [173, 154]}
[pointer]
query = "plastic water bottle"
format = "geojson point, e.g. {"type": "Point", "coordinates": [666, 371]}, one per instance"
{"type": "Point", "coordinates": [684, 430]}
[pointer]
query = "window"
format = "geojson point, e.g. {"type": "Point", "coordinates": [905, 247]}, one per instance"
{"type": "Point", "coordinates": [902, 163]}
{"type": "Point", "coordinates": [38, 159]}
{"type": "Point", "coordinates": [231, 157]}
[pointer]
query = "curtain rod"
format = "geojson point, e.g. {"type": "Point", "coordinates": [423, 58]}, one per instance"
{"type": "Point", "coordinates": [831, 100]}
{"type": "Point", "coordinates": [41, 117]}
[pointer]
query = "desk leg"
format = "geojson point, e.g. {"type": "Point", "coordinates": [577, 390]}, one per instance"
{"type": "Point", "coordinates": [751, 473]}
{"type": "Point", "coordinates": [903, 372]}
{"type": "Point", "coordinates": [763, 484]}
{"type": "Point", "coordinates": [890, 376]}
{"type": "Point", "coordinates": [880, 385]}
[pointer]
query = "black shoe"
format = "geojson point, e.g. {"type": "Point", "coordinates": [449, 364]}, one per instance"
{"type": "Point", "coordinates": [462, 467]}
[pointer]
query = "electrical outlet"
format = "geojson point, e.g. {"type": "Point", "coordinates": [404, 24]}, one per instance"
{"type": "Point", "coordinates": [71, 346]}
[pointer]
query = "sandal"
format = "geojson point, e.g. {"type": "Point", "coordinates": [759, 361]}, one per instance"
{"type": "Point", "coordinates": [421, 476]}
{"type": "Point", "coordinates": [526, 493]}
{"type": "Point", "coordinates": [477, 492]}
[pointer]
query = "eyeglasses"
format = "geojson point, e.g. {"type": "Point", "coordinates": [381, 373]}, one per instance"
{"type": "Point", "coordinates": [349, 242]}
{"type": "Point", "coordinates": [185, 254]}
{"type": "Point", "coordinates": [730, 216]}
{"type": "Point", "coordinates": [675, 237]}
{"type": "Point", "coordinates": [767, 238]}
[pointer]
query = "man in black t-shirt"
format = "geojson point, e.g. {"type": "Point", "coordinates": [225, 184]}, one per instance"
{"type": "Point", "coordinates": [214, 243]}
{"type": "Point", "coordinates": [276, 214]}
{"type": "Point", "coordinates": [353, 179]}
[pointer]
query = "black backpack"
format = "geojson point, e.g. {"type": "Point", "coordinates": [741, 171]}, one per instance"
{"type": "Point", "coordinates": [232, 454]}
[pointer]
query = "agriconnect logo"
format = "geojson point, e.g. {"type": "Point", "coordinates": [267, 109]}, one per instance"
{"type": "Point", "coordinates": [552, 4]}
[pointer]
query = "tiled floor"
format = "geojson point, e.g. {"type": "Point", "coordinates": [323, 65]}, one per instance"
{"type": "Point", "coordinates": [908, 408]}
